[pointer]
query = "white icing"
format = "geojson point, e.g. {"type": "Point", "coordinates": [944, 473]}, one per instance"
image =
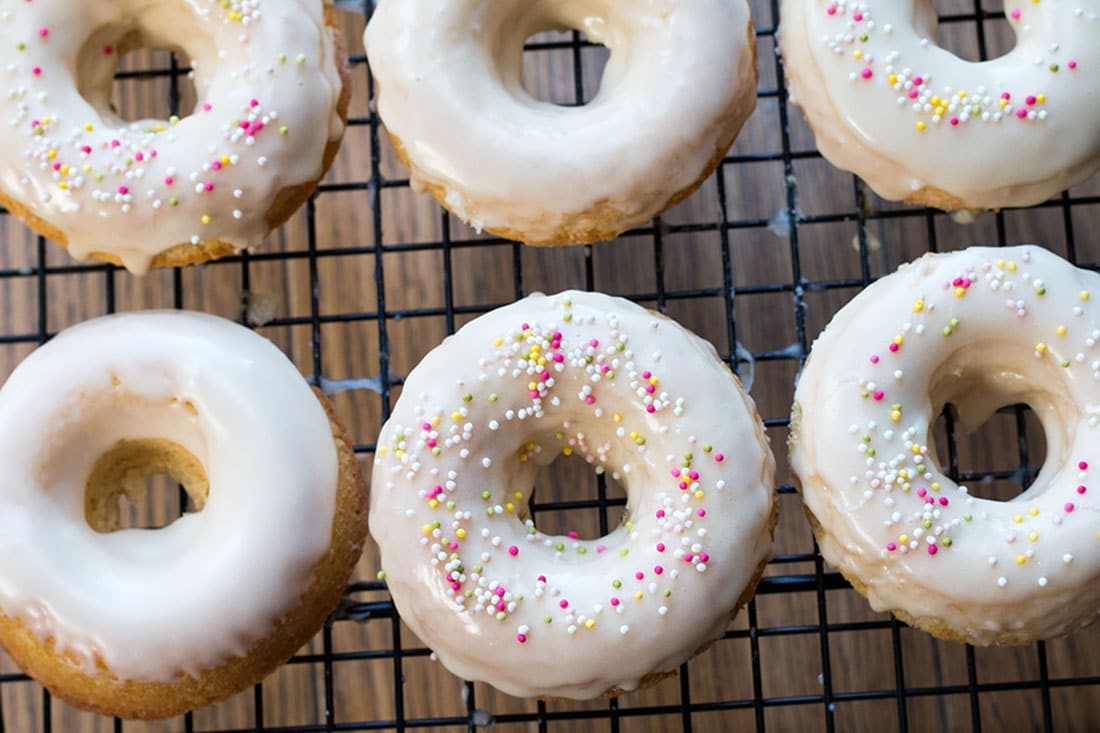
{"type": "Point", "coordinates": [152, 605]}
{"type": "Point", "coordinates": [978, 328]}
{"type": "Point", "coordinates": [277, 53]}
{"type": "Point", "coordinates": [496, 440]}
{"type": "Point", "coordinates": [450, 87]}
{"type": "Point", "coordinates": [866, 98]}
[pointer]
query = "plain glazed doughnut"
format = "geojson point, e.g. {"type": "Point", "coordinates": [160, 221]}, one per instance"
{"type": "Point", "coordinates": [979, 329]}
{"type": "Point", "coordinates": [921, 125]}
{"type": "Point", "coordinates": [637, 396]}
{"type": "Point", "coordinates": [680, 83]}
{"type": "Point", "coordinates": [269, 75]}
{"type": "Point", "coordinates": [150, 623]}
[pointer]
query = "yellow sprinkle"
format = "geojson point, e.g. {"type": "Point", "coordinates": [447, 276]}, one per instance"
{"type": "Point", "coordinates": [64, 170]}
{"type": "Point", "coordinates": [518, 496]}
{"type": "Point", "coordinates": [205, 218]}
{"type": "Point", "coordinates": [383, 449]}
{"type": "Point", "coordinates": [653, 381]}
{"type": "Point", "coordinates": [617, 418]}
{"type": "Point", "coordinates": [509, 507]}
{"type": "Point", "coordinates": [426, 529]}
{"type": "Point", "coordinates": [1003, 103]}
{"type": "Point", "coordinates": [962, 95]}
{"type": "Point", "coordinates": [1040, 348]}
{"type": "Point", "coordinates": [940, 111]}
{"type": "Point", "coordinates": [434, 504]}
{"type": "Point", "coordinates": [960, 292]}
{"type": "Point", "coordinates": [1021, 559]}
{"type": "Point", "coordinates": [638, 595]}
{"type": "Point", "coordinates": [935, 101]}
{"type": "Point", "coordinates": [1033, 511]}
{"type": "Point", "coordinates": [1017, 519]}
{"type": "Point", "coordinates": [456, 416]}
{"type": "Point", "coordinates": [87, 168]}
{"type": "Point", "coordinates": [935, 486]}
{"type": "Point", "coordinates": [567, 451]}
{"type": "Point", "coordinates": [435, 421]}
{"type": "Point", "coordinates": [498, 341]}
{"type": "Point", "coordinates": [895, 416]}
{"type": "Point", "coordinates": [904, 539]}
{"type": "Point", "coordinates": [893, 79]}
{"type": "Point", "coordinates": [1033, 536]}
{"type": "Point", "coordinates": [899, 340]}
{"type": "Point", "coordinates": [1084, 295]}
{"type": "Point", "coordinates": [1000, 264]}
{"type": "Point", "coordinates": [633, 434]}
{"type": "Point", "coordinates": [915, 449]}
{"type": "Point", "coordinates": [918, 306]}
{"type": "Point", "coordinates": [1041, 99]}
{"type": "Point", "coordinates": [89, 127]}
{"type": "Point", "coordinates": [1011, 266]}
{"type": "Point", "coordinates": [523, 458]}
{"type": "Point", "coordinates": [1061, 330]}
{"type": "Point", "coordinates": [857, 54]}
{"type": "Point", "coordinates": [699, 494]}
{"type": "Point", "coordinates": [52, 154]}
{"type": "Point", "coordinates": [590, 623]}
{"type": "Point", "coordinates": [531, 386]}
{"type": "Point", "coordinates": [226, 160]}
{"type": "Point", "coordinates": [63, 186]}
{"type": "Point", "coordinates": [921, 126]}
{"type": "Point", "coordinates": [460, 533]}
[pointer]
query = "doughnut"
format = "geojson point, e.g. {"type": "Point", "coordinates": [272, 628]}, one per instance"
{"type": "Point", "coordinates": [921, 125]}
{"type": "Point", "coordinates": [150, 623]}
{"type": "Point", "coordinates": [979, 329]}
{"type": "Point", "coordinates": [680, 82]}
{"type": "Point", "coordinates": [270, 80]}
{"type": "Point", "coordinates": [641, 399]}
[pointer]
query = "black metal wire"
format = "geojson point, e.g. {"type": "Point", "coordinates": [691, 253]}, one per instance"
{"type": "Point", "coordinates": [819, 583]}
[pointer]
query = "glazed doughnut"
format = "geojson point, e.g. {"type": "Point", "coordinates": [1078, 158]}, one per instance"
{"type": "Point", "coordinates": [641, 399]}
{"type": "Point", "coordinates": [921, 125]}
{"type": "Point", "coordinates": [680, 82]}
{"type": "Point", "coordinates": [979, 329]}
{"type": "Point", "coordinates": [269, 75]}
{"type": "Point", "coordinates": [150, 623]}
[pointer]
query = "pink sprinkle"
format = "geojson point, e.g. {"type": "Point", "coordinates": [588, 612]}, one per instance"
{"type": "Point", "coordinates": [879, 394]}
{"type": "Point", "coordinates": [1069, 506]}
{"type": "Point", "coordinates": [139, 156]}
{"type": "Point", "coordinates": [688, 557]}
{"type": "Point", "coordinates": [660, 547]}
{"type": "Point", "coordinates": [86, 149]}
{"type": "Point", "coordinates": [216, 165]}
{"type": "Point", "coordinates": [456, 586]}
{"type": "Point", "coordinates": [660, 513]}
{"type": "Point", "coordinates": [1016, 13]}
{"type": "Point", "coordinates": [501, 605]}
{"type": "Point", "coordinates": [1083, 466]}
{"type": "Point", "coordinates": [535, 394]}
{"type": "Point", "coordinates": [500, 591]}
{"type": "Point", "coordinates": [891, 547]}
{"type": "Point", "coordinates": [650, 389]}
{"type": "Point", "coordinates": [866, 73]}
{"type": "Point", "coordinates": [206, 107]}
{"type": "Point", "coordinates": [573, 535]}
{"type": "Point", "coordinates": [1006, 96]}
{"type": "Point", "coordinates": [702, 512]}
{"type": "Point", "coordinates": [954, 121]}
{"type": "Point", "coordinates": [513, 550]}
{"type": "Point", "coordinates": [639, 575]}
{"type": "Point", "coordinates": [831, 10]}
{"type": "Point", "coordinates": [544, 376]}
{"type": "Point", "coordinates": [43, 31]}
{"type": "Point", "coordinates": [524, 326]}
{"type": "Point", "coordinates": [893, 347]}
{"type": "Point", "coordinates": [943, 501]}
{"type": "Point", "coordinates": [521, 638]}
{"type": "Point", "coordinates": [1031, 100]}
{"type": "Point", "coordinates": [37, 71]}
{"type": "Point", "coordinates": [108, 50]}
{"type": "Point", "coordinates": [208, 187]}
{"type": "Point", "coordinates": [957, 282]}
{"type": "Point", "coordinates": [558, 358]}
{"type": "Point", "coordinates": [913, 94]}
{"type": "Point", "coordinates": [557, 336]}
{"type": "Point", "coordinates": [719, 458]}
{"type": "Point", "coordinates": [115, 144]}
{"type": "Point", "coordinates": [1021, 113]}
{"type": "Point", "coordinates": [658, 570]}
{"type": "Point", "coordinates": [600, 549]}
{"type": "Point", "coordinates": [605, 368]}
{"type": "Point", "coordinates": [675, 474]}
{"type": "Point", "coordinates": [594, 343]}
{"type": "Point", "coordinates": [1081, 490]}
{"type": "Point", "coordinates": [590, 400]}
{"type": "Point", "coordinates": [431, 442]}
{"type": "Point", "coordinates": [929, 500]}
{"type": "Point", "coordinates": [922, 492]}
{"type": "Point", "coordinates": [563, 603]}
{"type": "Point", "coordinates": [857, 17]}
{"type": "Point", "coordinates": [874, 358]}
{"type": "Point", "coordinates": [615, 601]}
{"type": "Point", "coordinates": [123, 190]}
{"type": "Point", "coordinates": [683, 485]}
{"type": "Point", "coordinates": [704, 557]}
{"type": "Point", "coordinates": [244, 124]}
{"type": "Point", "coordinates": [254, 103]}
{"type": "Point", "coordinates": [1072, 65]}
{"type": "Point", "coordinates": [648, 408]}
{"type": "Point", "coordinates": [168, 181]}
{"type": "Point", "coordinates": [541, 579]}
{"type": "Point", "coordinates": [932, 549]}
{"type": "Point", "coordinates": [646, 375]}
{"type": "Point", "coordinates": [694, 475]}
{"type": "Point", "coordinates": [453, 545]}
{"type": "Point", "coordinates": [57, 166]}
{"type": "Point", "coordinates": [918, 81]}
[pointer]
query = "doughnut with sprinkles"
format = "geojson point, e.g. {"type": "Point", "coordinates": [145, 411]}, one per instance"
{"type": "Point", "coordinates": [270, 80]}
{"type": "Point", "coordinates": [638, 397]}
{"type": "Point", "coordinates": [979, 329]}
{"type": "Point", "coordinates": [922, 125]}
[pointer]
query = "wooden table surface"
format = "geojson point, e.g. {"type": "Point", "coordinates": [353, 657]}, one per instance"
{"type": "Point", "coordinates": [735, 285]}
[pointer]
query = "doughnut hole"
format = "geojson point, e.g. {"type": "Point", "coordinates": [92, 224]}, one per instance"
{"type": "Point", "coordinates": [962, 39]}
{"type": "Point", "coordinates": [549, 69]}
{"type": "Point", "coordinates": [571, 498]}
{"type": "Point", "coordinates": [137, 470]}
{"type": "Point", "coordinates": [148, 99]}
{"type": "Point", "coordinates": [999, 419]}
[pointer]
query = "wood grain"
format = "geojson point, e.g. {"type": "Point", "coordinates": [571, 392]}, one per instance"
{"type": "Point", "coordinates": [750, 256]}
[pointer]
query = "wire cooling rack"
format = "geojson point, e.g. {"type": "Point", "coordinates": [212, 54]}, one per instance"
{"type": "Point", "coordinates": [757, 261]}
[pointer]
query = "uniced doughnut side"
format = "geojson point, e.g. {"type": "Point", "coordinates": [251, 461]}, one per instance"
{"type": "Point", "coordinates": [104, 693]}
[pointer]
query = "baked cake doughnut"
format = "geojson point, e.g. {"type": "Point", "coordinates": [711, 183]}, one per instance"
{"type": "Point", "coordinates": [978, 329]}
{"type": "Point", "coordinates": [272, 99]}
{"type": "Point", "coordinates": [923, 126]}
{"type": "Point", "coordinates": [639, 397]}
{"type": "Point", "coordinates": [680, 83]}
{"type": "Point", "coordinates": [150, 623]}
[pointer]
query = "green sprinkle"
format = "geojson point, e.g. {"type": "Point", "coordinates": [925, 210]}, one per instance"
{"type": "Point", "coordinates": [381, 575]}
{"type": "Point", "coordinates": [668, 593]}
{"type": "Point", "coordinates": [485, 495]}
{"type": "Point", "coordinates": [478, 569]}
{"type": "Point", "coordinates": [928, 524]}
{"type": "Point", "coordinates": [435, 524]}
{"type": "Point", "coordinates": [616, 584]}
{"type": "Point", "coordinates": [300, 58]}
{"type": "Point", "coordinates": [467, 397]}
{"type": "Point", "coordinates": [1053, 68]}
{"type": "Point", "coordinates": [284, 130]}
{"type": "Point", "coordinates": [567, 317]}
{"type": "Point", "coordinates": [947, 542]}
{"type": "Point", "coordinates": [172, 201]}
{"type": "Point", "coordinates": [501, 615]}
{"type": "Point", "coordinates": [708, 448]}
{"type": "Point", "coordinates": [623, 552]}
{"type": "Point", "coordinates": [547, 619]}
{"type": "Point", "coordinates": [582, 550]}
{"type": "Point", "coordinates": [559, 546]}
{"type": "Point", "coordinates": [493, 397]}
